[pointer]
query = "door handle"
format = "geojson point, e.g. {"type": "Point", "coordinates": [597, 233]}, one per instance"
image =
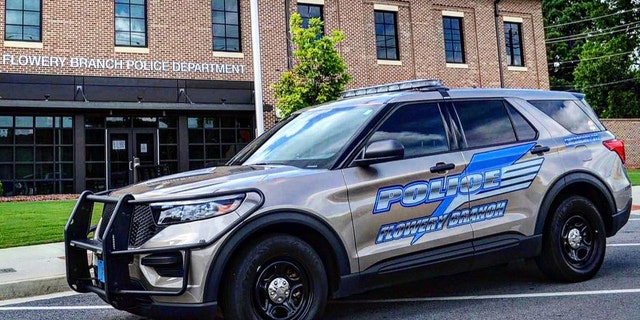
{"type": "Point", "coordinates": [539, 149]}
{"type": "Point", "coordinates": [441, 167]}
{"type": "Point", "coordinates": [130, 165]}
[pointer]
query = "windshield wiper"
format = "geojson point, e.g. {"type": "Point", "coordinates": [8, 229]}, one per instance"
{"type": "Point", "coordinates": [268, 164]}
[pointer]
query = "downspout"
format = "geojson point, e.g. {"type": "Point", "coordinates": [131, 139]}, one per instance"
{"type": "Point", "coordinates": [497, 16]}
{"type": "Point", "coordinates": [287, 16]}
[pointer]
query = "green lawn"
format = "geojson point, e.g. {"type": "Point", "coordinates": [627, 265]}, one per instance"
{"type": "Point", "coordinates": [634, 176]}
{"type": "Point", "coordinates": [28, 223]}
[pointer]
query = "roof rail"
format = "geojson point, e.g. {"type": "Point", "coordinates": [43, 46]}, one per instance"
{"type": "Point", "coordinates": [419, 84]}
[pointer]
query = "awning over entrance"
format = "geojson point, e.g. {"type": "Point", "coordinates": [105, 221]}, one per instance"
{"type": "Point", "coordinates": [126, 105]}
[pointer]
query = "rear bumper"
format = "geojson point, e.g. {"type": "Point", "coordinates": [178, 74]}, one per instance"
{"type": "Point", "coordinates": [619, 219]}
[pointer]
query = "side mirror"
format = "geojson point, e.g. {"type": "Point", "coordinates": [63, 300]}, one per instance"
{"type": "Point", "coordinates": [381, 151]}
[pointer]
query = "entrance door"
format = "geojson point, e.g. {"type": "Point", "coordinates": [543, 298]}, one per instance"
{"type": "Point", "coordinates": [128, 148]}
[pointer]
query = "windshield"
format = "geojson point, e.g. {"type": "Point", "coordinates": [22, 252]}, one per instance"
{"type": "Point", "coordinates": [314, 138]}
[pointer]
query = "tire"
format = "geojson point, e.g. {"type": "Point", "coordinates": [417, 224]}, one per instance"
{"type": "Point", "coordinates": [574, 242]}
{"type": "Point", "coordinates": [281, 265]}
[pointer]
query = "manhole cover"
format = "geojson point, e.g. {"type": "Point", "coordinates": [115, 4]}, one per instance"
{"type": "Point", "coordinates": [7, 270]}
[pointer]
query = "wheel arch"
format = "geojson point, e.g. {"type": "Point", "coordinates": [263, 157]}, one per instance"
{"type": "Point", "coordinates": [312, 230]}
{"type": "Point", "coordinates": [578, 183]}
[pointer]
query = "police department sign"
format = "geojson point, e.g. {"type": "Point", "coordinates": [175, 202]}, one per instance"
{"type": "Point", "coordinates": [120, 64]}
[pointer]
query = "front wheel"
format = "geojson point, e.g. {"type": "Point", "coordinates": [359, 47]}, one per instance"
{"type": "Point", "coordinates": [574, 241]}
{"type": "Point", "coordinates": [278, 277]}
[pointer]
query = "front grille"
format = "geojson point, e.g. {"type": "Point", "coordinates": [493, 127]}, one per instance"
{"type": "Point", "coordinates": [143, 226]}
{"type": "Point", "coordinates": [107, 212]}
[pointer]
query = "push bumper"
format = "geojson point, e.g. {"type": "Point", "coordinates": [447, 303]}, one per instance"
{"type": "Point", "coordinates": [115, 245]}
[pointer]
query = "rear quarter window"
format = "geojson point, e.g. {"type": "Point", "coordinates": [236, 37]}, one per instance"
{"type": "Point", "coordinates": [568, 114]}
{"type": "Point", "coordinates": [485, 123]}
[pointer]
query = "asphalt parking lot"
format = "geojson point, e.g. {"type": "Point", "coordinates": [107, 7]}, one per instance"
{"type": "Point", "coordinates": [513, 291]}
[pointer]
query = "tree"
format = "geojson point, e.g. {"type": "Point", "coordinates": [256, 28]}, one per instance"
{"type": "Point", "coordinates": [562, 20]}
{"type": "Point", "coordinates": [319, 75]}
{"type": "Point", "coordinates": [609, 84]}
{"type": "Point", "coordinates": [591, 48]}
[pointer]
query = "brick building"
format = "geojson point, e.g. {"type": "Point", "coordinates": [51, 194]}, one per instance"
{"type": "Point", "coordinates": [86, 86]}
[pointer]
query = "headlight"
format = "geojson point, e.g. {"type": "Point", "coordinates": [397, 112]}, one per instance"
{"type": "Point", "coordinates": [190, 210]}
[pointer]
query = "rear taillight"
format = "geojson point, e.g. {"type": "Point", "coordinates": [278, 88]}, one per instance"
{"type": "Point", "coordinates": [618, 146]}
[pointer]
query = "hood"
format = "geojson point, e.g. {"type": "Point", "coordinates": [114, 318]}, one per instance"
{"type": "Point", "coordinates": [203, 181]}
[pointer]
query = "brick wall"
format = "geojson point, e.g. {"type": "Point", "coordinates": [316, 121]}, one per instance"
{"type": "Point", "coordinates": [181, 31]}
{"type": "Point", "coordinates": [627, 130]}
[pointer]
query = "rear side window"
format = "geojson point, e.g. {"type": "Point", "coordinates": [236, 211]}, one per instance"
{"type": "Point", "coordinates": [485, 123]}
{"type": "Point", "coordinates": [419, 127]}
{"type": "Point", "coordinates": [568, 114]}
{"type": "Point", "coordinates": [524, 130]}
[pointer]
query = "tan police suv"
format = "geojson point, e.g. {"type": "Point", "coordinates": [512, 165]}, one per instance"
{"type": "Point", "coordinates": [388, 184]}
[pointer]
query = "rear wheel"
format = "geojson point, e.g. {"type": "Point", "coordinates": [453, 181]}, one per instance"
{"type": "Point", "coordinates": [278, 277]}
{"type": "Point", "coordinates": [574, 241]}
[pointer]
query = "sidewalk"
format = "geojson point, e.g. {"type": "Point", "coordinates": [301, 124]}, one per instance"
{"type": "Point", "coordinates": [40, 269]}
{"type": "Point", "coordinates": [31, 271]}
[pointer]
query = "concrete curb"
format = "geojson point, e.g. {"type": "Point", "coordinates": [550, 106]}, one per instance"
{"type": "Point", "coordinates": [33, 287]}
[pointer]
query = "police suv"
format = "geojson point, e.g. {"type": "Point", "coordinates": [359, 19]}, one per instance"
{"type": "Point", "coordinates": [388, 184]}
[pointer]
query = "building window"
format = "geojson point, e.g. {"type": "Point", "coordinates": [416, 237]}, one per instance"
{"type": "Point", "coordinates": [386, 35]}
{"type": "Point", "coordinates": [216, 139]}
{"type": "Point", "coordinates": [226, 25]}
{"type": "Point", "coordinates": [131, 23]}
{"type": "Point", "coordinates": [23, 20]}
{"type": "Point", "coordinates": [453, 39]}
{"type": "Point", "coordinates": [513, 42]}
{"type": "Point", "coordinates": [308, 11]}
{"type": "Point", "coordinates": [36, 155]}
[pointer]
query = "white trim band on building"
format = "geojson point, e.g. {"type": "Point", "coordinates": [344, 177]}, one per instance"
{"type": "Point", "coordinates": [390, 62]}
{"type": "Point", "coordinates": [385, 7]}
{"type": "Point", "coordinates": [517, 69]}
{"type": "Point", "coordinates": [457, 14]}
{"type": "Point", "coordinates": [458, 65]}
{"type": "Point", "coordinates": [23, 44]}
{"type": "Point", "coordinates": [512, 19]}
{"type": "Point", "coordinates": [316, 2]}
{"type": "Point", "coordinates": [224, 54]}
{"type": "Point", "coordinates": [130, 50]}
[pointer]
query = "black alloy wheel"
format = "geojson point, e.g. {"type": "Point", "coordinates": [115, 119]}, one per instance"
{"type": "Point", "coordinates": [282, 290]}
{"type": "Point", "coordinates": [277, 277]}
{"type": "Point", "coordinates": [573, 241]}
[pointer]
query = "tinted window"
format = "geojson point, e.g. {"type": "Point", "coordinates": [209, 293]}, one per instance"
{"type": "Point", "coordinates": [568, 114]}
{"type": "Point", "coordinates": [524, 130]}
{"type": "Point", "coordinates": [513, 42]}
{"type": "Point", "coordinates": [309, 11]}
{"type": "Point", "coordinates": [485, 123]}
{"type": "Point", "coordinates": [131, 23]}
{"type": "Point", "coordinates": [418, 127]}
{"type": "Point", "coordinates": [226, 25]}
{"type": "Point", "coordinates": [386, 35]}
{"type": "Point", "coordinates": [453, 43]}
{"type": "Point", "coordinates": [23, 20]}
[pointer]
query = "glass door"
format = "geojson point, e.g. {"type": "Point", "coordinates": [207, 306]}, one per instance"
{"type": "Point", "coordinates": [129, 148]}
{"type": "Point", "coordinates": [120, 154]}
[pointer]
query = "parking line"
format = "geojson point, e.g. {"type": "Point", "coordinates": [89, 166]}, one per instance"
{"type": "Point", "coordinates": [623, 245]}
{"type": "Point", "coordinates": [495, 296]}
{"type": "Point", "coordinates": [54, 308]}
{"type": "Point", "coordinates": [38, 298]}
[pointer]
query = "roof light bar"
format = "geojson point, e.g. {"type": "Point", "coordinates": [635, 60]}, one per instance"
{"type": "Point", "coordinates": [392, 87]}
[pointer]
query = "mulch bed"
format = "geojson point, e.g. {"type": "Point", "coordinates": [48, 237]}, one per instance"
{"type": "Point", "coordinates": [44, 197]}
